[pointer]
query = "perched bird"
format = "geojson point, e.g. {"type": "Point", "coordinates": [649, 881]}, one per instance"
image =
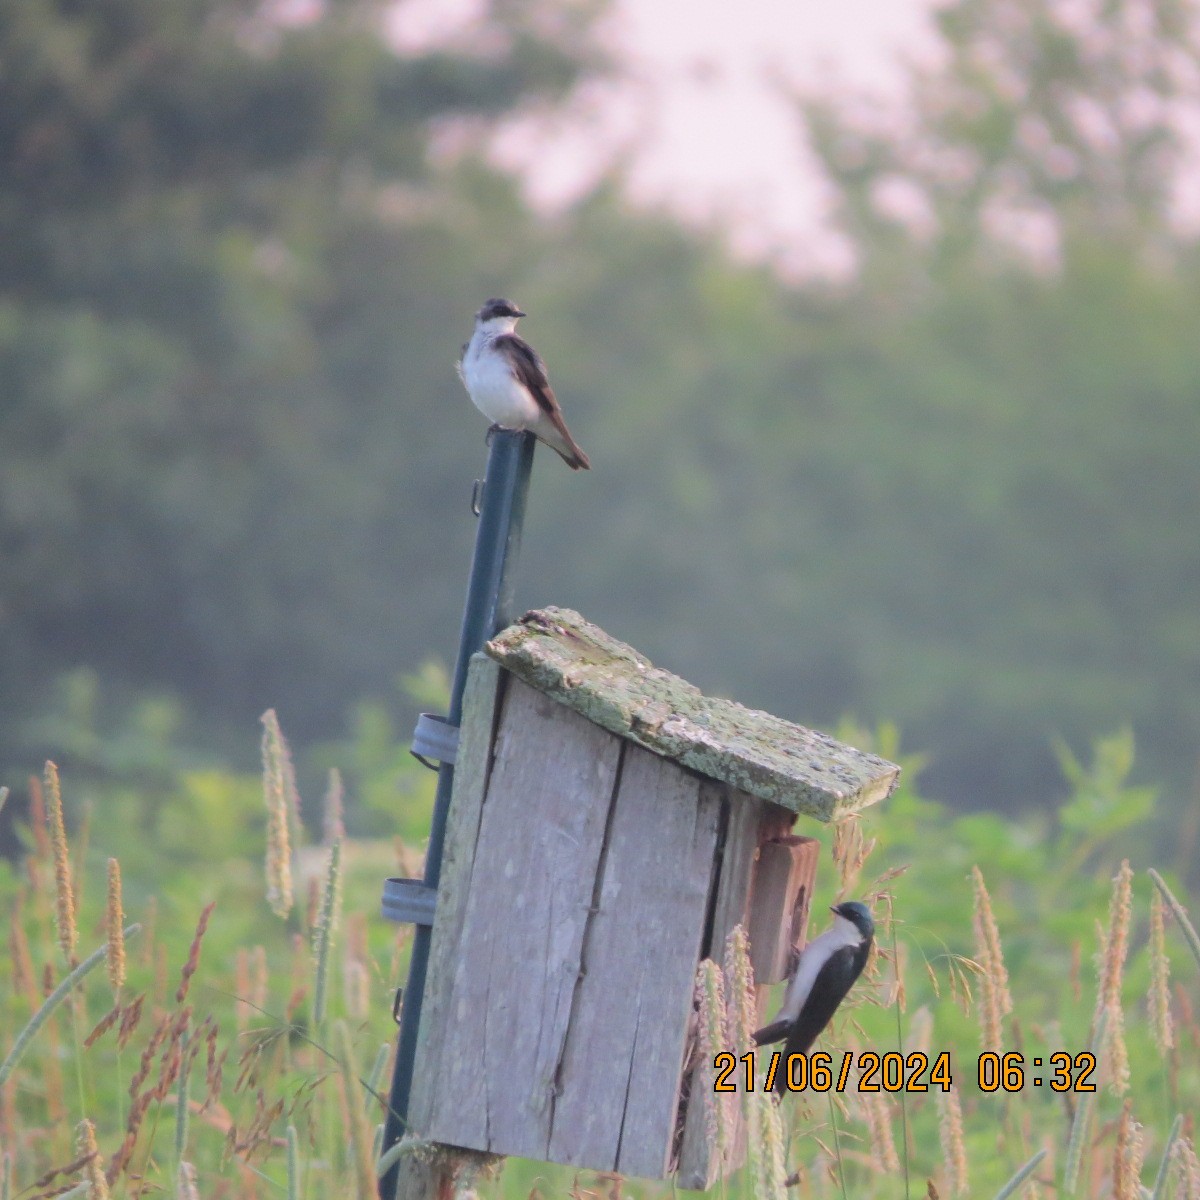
{"type": "Point", "coordinates": [827, 969]}
{"type": "Point", "coordinates": [507, 382]}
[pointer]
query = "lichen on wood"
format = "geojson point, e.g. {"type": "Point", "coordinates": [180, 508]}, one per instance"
{"type": "Point", "coordinates": [566, 657]}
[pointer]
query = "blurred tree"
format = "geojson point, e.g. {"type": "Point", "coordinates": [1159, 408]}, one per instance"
{"type": "Point", "coordinates": [957, 492]}
{"type": "Point", "coordinates": [222, 246]}
{"type": "Point", "coordinates": [1041, 122]}
{"type": "Point", "coordinates": [1015, 383]}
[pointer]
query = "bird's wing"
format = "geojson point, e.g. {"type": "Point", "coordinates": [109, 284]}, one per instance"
{"type": "Point", "coordinates": [528, 367]}
{"type": "Point", "coordinates": [529, 370]}
{"type": "Point", "coordinates": [833, 981]}
{"type": "Point", "coordinates": [812, 958]}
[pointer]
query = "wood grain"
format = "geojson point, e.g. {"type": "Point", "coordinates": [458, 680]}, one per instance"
{"type": "Point", "coordinates": [519, 954]}
{"type": "Point", "coordinates": [621, 1071]}
{"type": "Point", "coordinates": [803, 770]}
{"type": "Point", "coordinates": [481, 697]}
{"type": "Point", "coordinates": [778, 917]}
{"type": "Point", "coordinates": [698, 1166]}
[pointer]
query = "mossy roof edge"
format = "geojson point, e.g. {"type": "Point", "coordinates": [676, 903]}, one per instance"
{"type": "Point", "coordinates": [558, 652]}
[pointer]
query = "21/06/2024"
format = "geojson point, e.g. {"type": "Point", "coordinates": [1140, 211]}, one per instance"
{"type": "Point", "coordinates": [891, 1072]}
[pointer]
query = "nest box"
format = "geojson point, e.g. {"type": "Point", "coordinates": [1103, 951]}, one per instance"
{"type": "Point", "coordinates": [609, 827]}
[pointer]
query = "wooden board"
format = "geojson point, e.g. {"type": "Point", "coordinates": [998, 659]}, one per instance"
{"type": "Point", "coordinates": [519, 954]}
{"type": "Point", "coordinates": [803, 770]}
{"type": "Point", "coordinates": [578, 890]}
{"type": "Point", "coordinates": [583, 880]}
{"type": "Point", "coordinates": [752, 826]}
{"type": "Point", "coordinates": [779, 906]}
{"type": "Point", "coordinates": [698, 1166]}
{"type": "Point", "coordinates": [619, 1086]}
{"type": "Point", "coordinates": [472, 769]}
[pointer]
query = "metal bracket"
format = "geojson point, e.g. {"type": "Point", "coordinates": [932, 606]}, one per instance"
{"type": "Point", "coordinates": [434, 738]}
{"type": "Point", "coordinates": [409, 900]}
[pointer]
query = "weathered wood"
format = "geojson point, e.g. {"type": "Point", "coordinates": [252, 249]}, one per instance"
{"type": "Point", "coordinates": [783, 885]}
{"type": "Point", "coordinates": [420, 1178]}
{"type": "Point", "coordinates": [471, 771]}
{"type": "Point", "coordinates": [736, 873]}
{"type": "Point", "coordinates": [519, 954]}
{"type": "Point", "coordinates": [619, 1083]}
{"type": "Point", "coordinates": [585, 875]}
{"type": "Point", "coordinates": [698, 1166]}
{"type": "Point", "coordinates": [564, 656]}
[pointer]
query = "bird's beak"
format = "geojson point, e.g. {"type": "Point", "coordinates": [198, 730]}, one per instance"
{"type": "Point", "coordinates": [518, 313]}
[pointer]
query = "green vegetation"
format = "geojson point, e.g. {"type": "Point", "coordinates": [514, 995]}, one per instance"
{"type": "Point", "coordinates": [211, 1043]}
{"type": "Point", "coordinates": [217, 1026]}
{"type": "Point", "coordinates": [956, 491]}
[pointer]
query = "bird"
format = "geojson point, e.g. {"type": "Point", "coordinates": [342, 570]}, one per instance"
{"type": "Point", "coordinates": [506, 380]}
{"type": "Point", "coordinates": [825, 973]}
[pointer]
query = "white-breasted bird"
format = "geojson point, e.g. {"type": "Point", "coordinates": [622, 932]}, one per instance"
{"type": "Point", "coordinates": [827, 969]}
{"type": "Point", "coordinates": [506, 380]}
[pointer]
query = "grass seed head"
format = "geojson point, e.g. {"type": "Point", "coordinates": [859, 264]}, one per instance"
{"type": "Point", "coordinates": [1187, 1170]}
{"type": "Point", "coordinates": [279, 792]}
{"type": "Point", "coordinates": [333, 823]}
{"type": "Point", "coordinates": [193, 958]}
{"type": "Point", "coordinates": [1114, 944]}
{"type": "Point", "coordinates": [1128, 1156]}
{"type": "Point", "coordinates": [719, 1113]}
{"type": "Point", "coordinates": [954, 1153]}
{"type": "Point", "coordinates": [774, 1164]}
{"type": "Point", "coordinates": [879, 1124]}
{"type": "Point", "coordinates": [185, 1183]}
{"type": "Point", "coordinates": [1160, 974]}
{"type": "Point", "coordinates": [24, 978]}
{"type": "Point", "coordinates": [64, 892]}
{"type": "Point", "coordinates": [114, 928]}
{"type": "Point", "coordinates": [740, 997]}
{"type": "Point", "coordinates": [1116, 935]}
{"type": "Point", "coordinates": [996, 1000]}
{"type": "Point", "coordinates": [85, 1142]}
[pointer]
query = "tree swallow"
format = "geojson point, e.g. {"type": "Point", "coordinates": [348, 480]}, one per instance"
{"type": "Point", "coordinates": [827, 969]}
{"type": "Point", "coordinates": [507, 382]}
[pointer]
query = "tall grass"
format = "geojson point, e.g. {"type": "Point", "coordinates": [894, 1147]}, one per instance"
{"type": "Point", "coordinates": [191, 1076]}
{"type": "Point", "coordinates": [1031, 1140]}
{"type": "Point", "coordinates": [221, 1066]}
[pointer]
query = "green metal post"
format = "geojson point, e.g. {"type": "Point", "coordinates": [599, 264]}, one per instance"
{"type": "Point", "coordinates": [488, 609]}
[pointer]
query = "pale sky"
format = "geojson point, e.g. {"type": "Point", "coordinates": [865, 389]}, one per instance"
{"type": "Point", "coordinates": [698, 111]}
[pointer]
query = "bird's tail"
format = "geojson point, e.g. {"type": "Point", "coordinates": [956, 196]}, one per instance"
{"type": "Point", "coordinates": [563, 444]}
{"type": "Point", "coordinates": [775, 1032]}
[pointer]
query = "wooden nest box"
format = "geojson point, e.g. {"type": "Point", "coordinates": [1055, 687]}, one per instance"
{"type": "Point", "coordinates": [609, 827]}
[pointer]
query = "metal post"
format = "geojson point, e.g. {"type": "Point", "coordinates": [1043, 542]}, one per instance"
{"type": "Point", "coordinates": [488, 609]}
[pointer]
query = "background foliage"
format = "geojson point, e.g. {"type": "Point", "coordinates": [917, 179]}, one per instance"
{"type": "Point", "coordinates": [956, 491]}
{"type": "Point", "coordinates": [272, 1062]}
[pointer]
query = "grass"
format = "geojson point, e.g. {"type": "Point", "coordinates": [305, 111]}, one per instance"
{"type": "Point", "coordinates": [185, 1068]}
{"type": "Point", "coordinates": [1027, 1140]}
{"type": "Point", "coordinates": [222, 1051]}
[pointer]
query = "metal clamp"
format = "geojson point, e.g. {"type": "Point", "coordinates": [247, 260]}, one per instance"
{"type": "Point", "coordinates": [434, 738]}
{"type": "Point", "coordinates": [411, 901]}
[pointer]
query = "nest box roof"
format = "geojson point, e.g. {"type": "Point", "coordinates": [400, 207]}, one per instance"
{"type": "Point", "coordinates": [560, 654]}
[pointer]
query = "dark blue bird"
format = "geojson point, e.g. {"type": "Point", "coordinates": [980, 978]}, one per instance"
{"type": "Point", "coordinates": [827, 969]}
